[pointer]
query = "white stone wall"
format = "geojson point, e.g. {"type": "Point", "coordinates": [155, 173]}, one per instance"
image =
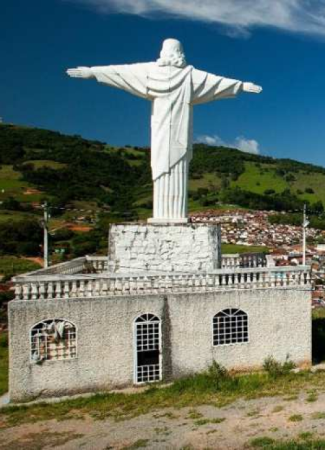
{"type": "Point", "coordinates": [279, 325]}
{"type": "Point", "coordinates": [166, 248]}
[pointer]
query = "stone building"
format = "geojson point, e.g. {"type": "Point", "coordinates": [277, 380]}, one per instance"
{"type": "Point", "coordinates": [165, 304]}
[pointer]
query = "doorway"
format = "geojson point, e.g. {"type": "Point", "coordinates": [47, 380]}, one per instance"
{"type": "Point", "coordinates": [147, 343]}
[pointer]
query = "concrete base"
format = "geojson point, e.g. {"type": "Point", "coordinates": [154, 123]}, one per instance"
{"type": "Point", "coordinates": [164, 248]}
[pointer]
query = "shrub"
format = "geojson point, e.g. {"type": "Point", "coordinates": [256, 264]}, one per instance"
{"type": "Point", "coordinates": [276, 369]}
{"type": "Point", "coordinates": [217, 372]}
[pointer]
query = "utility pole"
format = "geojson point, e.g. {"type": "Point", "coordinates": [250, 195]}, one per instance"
{"type": "Point", "coordinates": [305, 224]}
{"type": "Point", "coordinates": [46, 235]}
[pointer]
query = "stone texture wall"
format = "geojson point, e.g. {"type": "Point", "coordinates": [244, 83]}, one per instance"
{"type": "Point", "coordinates": [279, 325]}
{"type": "Point", "coordinates": [167, 248]}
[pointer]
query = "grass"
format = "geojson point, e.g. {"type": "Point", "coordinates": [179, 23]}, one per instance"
{"type": "Point", "coordinates": [204, 388]}
{"type": "Point", "coordinates": [295, 418]}
{"type": "Point", "coordinates": [256, 179]}
{"type": "Point", "coordinates": [294, 444]}
{"type": "Point", "coordinates": [140, 443]}
{"type": "Point", "coordinates": [10, 181]}
{"type": "Point", "coordinates": [208, 180]}
{"type": "Point", "coordinates": [318, 313]}
{"type": "Point", "coordinates": [10, 216]}
{"type": "Point", "coordinates": [201, 422]}
{"type": "Point", "coordinates": [40, 163]}
{"type": "Point", "coordinates": [3, 363]}
{"type": "Point", "coordinates": [234, 248]}
{"type": "Point", "coordinates": [11, 265]}
{"type": "Point", "coordinates": [312, 397]}
{"type": "Point", "coordinates": [318, 416]}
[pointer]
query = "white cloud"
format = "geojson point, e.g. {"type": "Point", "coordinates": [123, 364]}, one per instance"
{"type": "Point", "coordinates": [304, 16]}
{"type": "Point", "coordinates": [241, 143]}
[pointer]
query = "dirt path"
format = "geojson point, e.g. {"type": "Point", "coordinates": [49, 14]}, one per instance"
{"type": "Point", "coordinates": [230, 427]}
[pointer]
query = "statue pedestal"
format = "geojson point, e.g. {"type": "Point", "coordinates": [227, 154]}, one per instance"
{"type": "Point", "coordinates": [164, 248]}
{"type": "Point", "coordinates": [154, 221]}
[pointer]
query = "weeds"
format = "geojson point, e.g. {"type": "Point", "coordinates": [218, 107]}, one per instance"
{"type": "Point", "coordinates": [296, 418]}
{"type": "Point", "coordinates": [312, 397]}
{"type": "Point", "coordinates": [271, 444]}
{"type": "Point", "coordinates": [276, 369]}
{"type": "Point", "coordinates": [214, 387]}
{"type": "Point", "coordinates": [318, 416]}
{"type": "Point", "coordinates": [278, 408]}
{"type": "Point", "coordinates": [3, 363]}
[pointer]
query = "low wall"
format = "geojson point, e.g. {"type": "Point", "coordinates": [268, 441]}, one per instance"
{"type": "Point", "coordinates": [279, 325]}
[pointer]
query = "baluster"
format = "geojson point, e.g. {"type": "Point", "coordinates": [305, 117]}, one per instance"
{"type": "Point", "coordinates": [49, 290]}
{"type": "Point", "coordinates": [66, 289]}
{"type": "Point", "coordinates": [57, 286]}
{"type": "Point", "coordinates": [42, 291]}
{"type": "Point", "coordinates": [26, 292]}
{"type": "Point", "coordinates": [254, 279]}
{"type": "Point", "coordinates": [105, 287]}
{"type": "Point", "coordinates": [74, 289]}
{"type": "Point", "coordinates": [18, 292]}
{"type": "Point", "coordinates": [97, 288]}
{"type": "Point", "coordinates": [81, 290]}
{"type": "Point", "coordinates": [89, 288]}
{"type": "Point", "coordinates": [34, 291]}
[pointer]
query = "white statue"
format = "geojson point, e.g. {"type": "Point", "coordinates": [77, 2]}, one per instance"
{"type": "Point", "coordinates": [174, 88]}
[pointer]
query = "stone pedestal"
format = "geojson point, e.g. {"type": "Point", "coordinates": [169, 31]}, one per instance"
{"type": "Point", "coordinates": [164, 248]}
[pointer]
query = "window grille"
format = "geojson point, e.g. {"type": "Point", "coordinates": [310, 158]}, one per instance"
{"type": "Point", "coordinates": [230, 326]}
{"type": "Point", "coordinates": [147, 334]}
{"type": "Point", "coordinates": [53, 339]}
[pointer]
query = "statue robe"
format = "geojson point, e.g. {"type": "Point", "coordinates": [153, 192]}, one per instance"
{"type": "Point", "coordinates": [173, 92]}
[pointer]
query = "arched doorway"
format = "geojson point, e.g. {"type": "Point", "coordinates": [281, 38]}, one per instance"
{"type": "Point", "coordinates": [147, 349]}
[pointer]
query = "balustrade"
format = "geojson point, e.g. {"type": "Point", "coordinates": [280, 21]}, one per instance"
{"type": "Point", "coordinates": [38, 287]}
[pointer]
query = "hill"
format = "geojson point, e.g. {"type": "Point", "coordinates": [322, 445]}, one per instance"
{"type": "Point", "coordinates": [89, 182]}
{"type": "Point", "coordinates": [40, 164]}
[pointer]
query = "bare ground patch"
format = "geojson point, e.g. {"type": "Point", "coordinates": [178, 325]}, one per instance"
{"type": "Point", "coordinates": [239, 425]}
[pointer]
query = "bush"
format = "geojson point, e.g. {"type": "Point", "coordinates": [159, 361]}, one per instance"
{"type": "Point", "coordinates": [217, 372]}
{"type": "Point", "coordinates": [277, 369]}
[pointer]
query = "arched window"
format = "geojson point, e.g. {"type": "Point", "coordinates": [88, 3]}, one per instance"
{"type": "Point", "coordinates": [53, 339]}
{"type": "Point", "coordinates": [230, 326]}
{"type": "Point", "coordinates": [147, 348]}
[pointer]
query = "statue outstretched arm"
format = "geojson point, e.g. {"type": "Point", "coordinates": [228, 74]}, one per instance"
{"type": "Point", "coordinates": [208, 87]}
{"type": "Point", "coordinates": [132, 78]}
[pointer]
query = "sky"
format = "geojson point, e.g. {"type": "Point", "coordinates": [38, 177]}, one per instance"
{"type": "Point", "coordinates": [278, 44]}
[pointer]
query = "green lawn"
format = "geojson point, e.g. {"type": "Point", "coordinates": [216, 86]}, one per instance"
{"type": "Point", "coordinates": [11, 185]}
{"type": "Point", "coordinates": [10, 180]}
{"type": "Point", "coordinates": [10, 216]}
{"type": "Point", "coordinates": [258, 179]}
{"type": "Point", "coordinates": [208, 180]}
{"type": "Point", "coordinates": [234, 248]}
{"type": "Point", "coordinates": [40, 163]}
{"type": "Point", "coordinates": [3, 363]}
{"type": "Point", "coordinates": [316, 181]}
{"type": "Point", "coordinates": [10, 265]}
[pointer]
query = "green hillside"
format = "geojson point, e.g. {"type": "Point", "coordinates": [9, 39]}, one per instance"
{"type": "Point", "coordinates": [91, 183]}
{"type": "Point", "coordinates": [39, 164]}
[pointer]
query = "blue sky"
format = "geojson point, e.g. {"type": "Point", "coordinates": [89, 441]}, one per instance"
{"type": "Point", "coordinates": [277, 44]}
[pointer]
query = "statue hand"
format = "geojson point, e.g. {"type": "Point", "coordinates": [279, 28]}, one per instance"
{"type": "Point", "coordinates": [80, 72]}
{"type": "Point", "coordinates": [251, 87]}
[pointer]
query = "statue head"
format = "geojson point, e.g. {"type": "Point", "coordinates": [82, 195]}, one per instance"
{"type": "Point", "coordinates": [172, 54]}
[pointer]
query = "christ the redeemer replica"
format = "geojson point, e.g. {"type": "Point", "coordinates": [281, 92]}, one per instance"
{"type": "Point", "coordinates": [174, 88]}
